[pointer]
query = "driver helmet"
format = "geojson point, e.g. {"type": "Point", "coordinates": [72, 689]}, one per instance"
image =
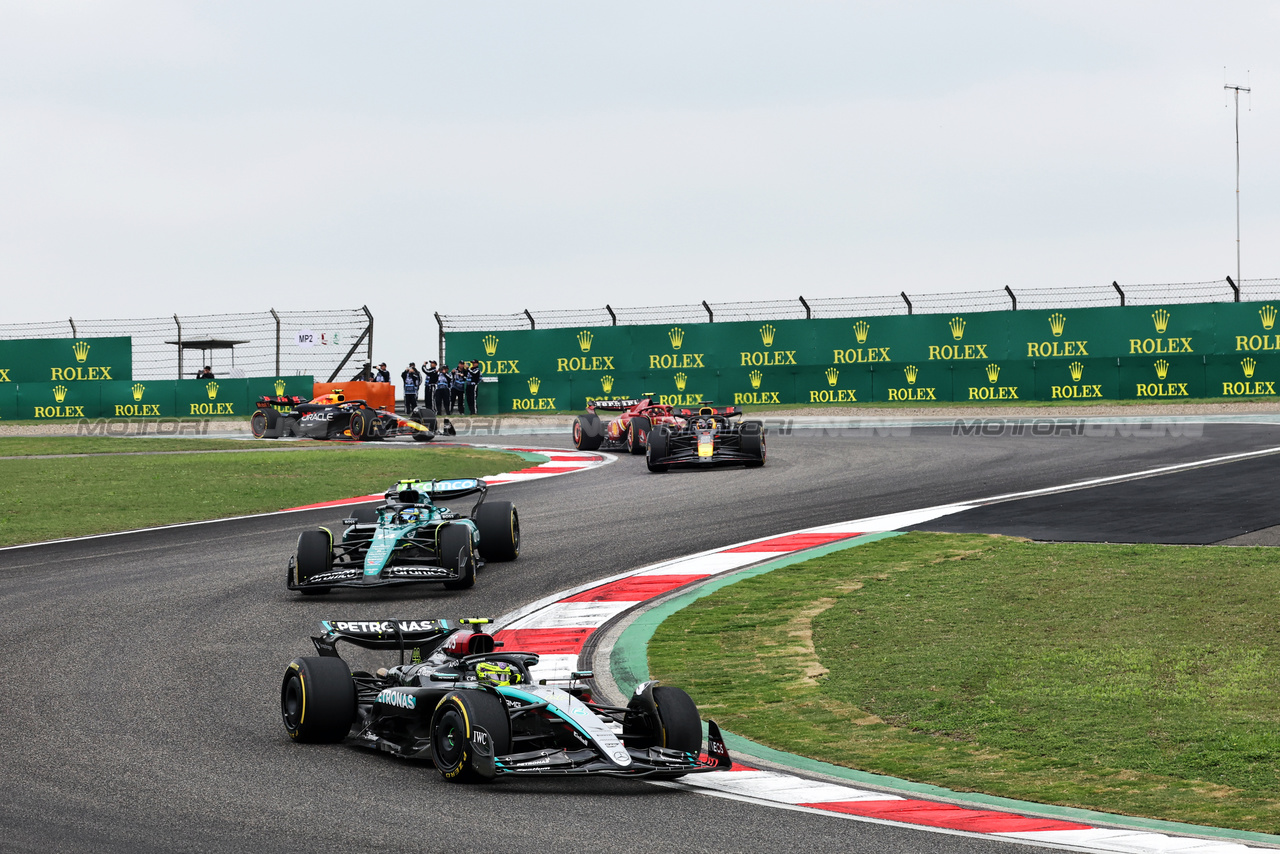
{"type": "Point", "coordinates": [411, 514]}
{"type": "Point", "coordinates": [498, 673]}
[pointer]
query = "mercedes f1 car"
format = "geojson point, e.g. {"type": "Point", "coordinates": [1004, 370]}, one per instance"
{"type": "Point", "coordinates": [477, 713]}
{"type": "Point", "coordinates": [709, 437]}
{"type": "Point", "coordinates": [409, 539]}
{"type": "Point", "coordinates": [629, 431]}
{"type": "Point", "coordinates": [332, 416]}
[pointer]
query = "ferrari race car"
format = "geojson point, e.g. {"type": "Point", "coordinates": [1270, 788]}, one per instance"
{"type": "Point", "coordinates": [708, 437]}
{"type": "Point", "coordinates": [630, 430]}
{"type": "Point", "coordinates": [331, 416]}
{"type": "Point", "coordinates": [409, 539]}
{"type": "Point", "coordinates": [477, 712]}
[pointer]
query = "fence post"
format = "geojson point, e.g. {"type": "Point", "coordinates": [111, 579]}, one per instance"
{"type": "Point", "coordinates": [612, 316]}
{"type": "Point", "coordinates": [1234, 288]}
{"type": "Point", "coordinates": [1120, 292]}
{"type": "Point", "coordinates": [440, 323]}
{"type": "Point", "coordinates": [711, 318]}
{"type": "Point", "coordinates": [808, 315]}
{"type": "Point", "coordinates": [179, 325]}
{"type": "Point", "coordinates": [907, 301]}
{"type": "Point", "coordinates": [532, 325]}
{"type": "Point", "coordinates": [1009, 291]}
{"type": "Point", "coordinates": [75, 334]}
{"type": "Point", "coordinates": [277, 317]}
{"type": "Point", "coordinates": [365, 309]}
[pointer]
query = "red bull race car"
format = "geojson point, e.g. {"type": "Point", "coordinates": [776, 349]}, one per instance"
{"type": "Point", "coordinates": [332, 416]}
{"type": "Point", "coordinates": [629, 431]}
{"type": "Point", "coordinates": [708, 436]}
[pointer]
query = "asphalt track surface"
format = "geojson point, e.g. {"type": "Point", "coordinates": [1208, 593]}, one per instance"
{"type": "Point", "coordinates": [143, 670]}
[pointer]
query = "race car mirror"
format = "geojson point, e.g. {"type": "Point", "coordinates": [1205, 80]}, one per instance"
{"type": "Point", "coordinates": [583, 674]}
{"type": "Point", "coordinates": [409, 496]}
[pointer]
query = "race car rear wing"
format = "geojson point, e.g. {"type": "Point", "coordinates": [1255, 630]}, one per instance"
{"type": "Point", "coordinates": [402, 635]}
{"type": "Point", "coordinates": [441, 489]}
{"type": "Point", "coordinates": [616, 405]}
{"type": "Point", "coordinates": [706, 409]}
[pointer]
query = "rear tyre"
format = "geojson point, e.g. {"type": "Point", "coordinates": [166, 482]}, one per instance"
{"type": "Point", "coordinates": [659, 446]}
{"type": "Point", "coordinates": [315, 555]}
{"type": "Point", "coordinates": [258, 424]}
{"type": "Point", "coordinates": [638, 434]}
{"type": "Point", "coordinates": [460, 757]}
{"type": "Point", "coordinates": [752, 433]}
{"type": "Point", "coordinates": [588, 432]}
{"type": "Point", "coordinates": [456, 553]}
{"type": "Point", "coordinates": [499, 526]}
{"type": "Point", "coordinates": [318, 699]}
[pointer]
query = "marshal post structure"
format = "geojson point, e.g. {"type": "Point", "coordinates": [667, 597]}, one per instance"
{"type": "Point", "coordinates": [1150, 352]}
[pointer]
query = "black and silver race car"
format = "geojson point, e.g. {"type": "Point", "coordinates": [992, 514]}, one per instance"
{"type": "Point", "coordinates": [410, 539]}
{"type": "Point", "coordinates": [708, 437]}
{"type": "Point", "coordinates": [332, 416]}
{"type": "Point", "coordinates": [477, 713]}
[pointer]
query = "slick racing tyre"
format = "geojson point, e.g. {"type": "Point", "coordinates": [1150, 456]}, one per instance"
{"type": "Point", "coordinates": [265, 424]}
{"type": "Point", "coordinates": [365, 514]}
{"type": "Point", "coordinates": [468, 729]}
{"type": "Point", "coordinates": [659, 446]}
{"type": "Point", "coordinates": [637, 434]}
{"type": "Point", "coordinates": [588, 432]}
{"type": "Point", "coordinates": [499, 526]}
{"type": "Point", "coordinates": [315, 555]}
{"type": "Point", "coordinates": [361, 424]}
{"type": "Point", "coordinates": [752, 433]}
{"type": "Point", "coordinates": [456, 553]}
{"type": "Point", "coordinates": [663, 717]}
{"type": "Point", "coordinates": [318, 699]}
{"type": "Point", "coordinates": [424, 415]}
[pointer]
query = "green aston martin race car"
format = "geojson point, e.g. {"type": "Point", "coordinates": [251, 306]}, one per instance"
{"type": "Point", "coordinates": [409, 540]}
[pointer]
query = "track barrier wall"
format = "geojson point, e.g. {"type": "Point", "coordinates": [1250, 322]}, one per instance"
{"type": "Point", "coordinates": [1178, 351]}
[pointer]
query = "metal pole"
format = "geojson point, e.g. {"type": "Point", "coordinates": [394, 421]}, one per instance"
{"type": "Point", "coordinates": [365, 309]}
{"type": "Point", "coordinates": [1120, 292]}
{"type": "Point", "coordinates": [1235, 288]}
{"type": "Point", "coordinates": [1237, 90]}
{"type": "Point", "coordinates": [808, 315]}
{"type": "Point", "coordinates": [612, 316]}
{"type": "Point", "coordinates": [711, 318]}
{"type": "Point", "coordinates": [907, 301]}
{"type": "Point", "coordinates": [1009, 291]}
{"type": "Point", "coordinates": [532, 325]}
{"type": "Point", "coordinates": [179, 324]}
{"type": "Point", "coordinates": [440, 323]}
{"type": "Point", "coordinates": [277, 317]}
{"type": "Point", "coordinates": [72, 321]}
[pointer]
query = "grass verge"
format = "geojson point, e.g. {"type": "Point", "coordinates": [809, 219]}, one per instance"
{"type": "Point", "coordinates": [30, 446]}
{"type": "Point", "coordinates": [1139, 680]}
{"type": "Point", "coordinates": [44, 499]}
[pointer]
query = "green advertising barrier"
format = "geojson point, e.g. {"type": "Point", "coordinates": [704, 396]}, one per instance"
{"type": "Point", "coordinates": [1253, 375]}
{"type": "Point", "coordinates": [1162, 378]}
{"type": "Point", "coordinates": [125, 399]}
{"type": "Point", "coordinates": [65, 360]}
{"type": "Point", "coordinates": [1077, 379]}
{"type": "Point", "coordinates": [1116, 351]}
{"type": "Point", "coordinates": [8, 401]}
{"type": "Point", "coordinates": [56, 400]}
{"type": "Point", "coordinates": [217, 397]}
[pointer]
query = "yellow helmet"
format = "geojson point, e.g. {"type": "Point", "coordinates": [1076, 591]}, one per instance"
{"type": "Point", "coordinates": [498, 673]}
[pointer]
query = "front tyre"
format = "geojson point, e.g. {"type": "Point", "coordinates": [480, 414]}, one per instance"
{"type": "Point", "coordinates": [318, 699]}
{"type": "Point", "coordinates": [659, 446]}
{"type": "Point", "coordinates": [752, 433]}
{"type": "Point", "coordinates": [456, 554]}
{"type": "Point", "coordinates": [468, 729]}
{"type": "Point", "coordinates": [499, 527]}
{"type": "Point", "coordinates": [637, 434]}
{"type": "Point", "coordinates": [315, 555]}
{"type": "Point", "coordinates": [663, 717]}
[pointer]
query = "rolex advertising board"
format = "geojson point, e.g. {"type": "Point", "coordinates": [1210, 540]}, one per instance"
{"type": "Point", "coordinates": [1107, 353]}
{"type": "Point", "coordinates": [150, 399]}
{"type": "Point", "coordinates": [8, 401]}
{"type": "Point", "coordinates": [65, 360]}
{"type": "Point", "coordinates": [1077, 379]}
{"type": "Point", "coordinates": [51, 400]}
{"type": "Point", "coordinates": [216, 397]}
{"type": "Point", "coordinates": [1242, 375]}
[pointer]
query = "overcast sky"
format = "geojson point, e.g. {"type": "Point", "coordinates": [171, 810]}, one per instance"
{"type": "Point", "coordinates": [474, 157]}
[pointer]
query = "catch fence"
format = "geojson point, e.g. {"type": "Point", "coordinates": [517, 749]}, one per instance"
{"type": "Point", "coordinates": [1007, 298]}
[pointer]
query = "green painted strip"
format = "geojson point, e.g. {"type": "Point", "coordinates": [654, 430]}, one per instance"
{"type": "Point", "coordinates": [531, 457]}
{"type": "Point", "coordinates": [629, 662]}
